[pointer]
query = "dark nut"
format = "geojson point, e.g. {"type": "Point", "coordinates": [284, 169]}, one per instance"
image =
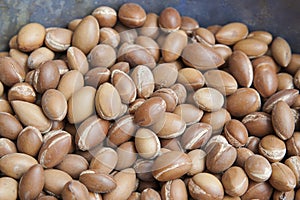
{"type": "Point", "coordinates": [10, 126]}
{"type": "Point", "coordinates": [127, 155]}
{"type": "Point", "coordinates": [188, 24]}
{"type": "Point", "coordinates": [216, 119]}
{"type": "Point", "coordinates": [169, 96]}
{"type": "Point", "coordinates": [150, 44]}
{"type": "Point", "coordinates": [150, 27]}
{"type": "Point", "coordinates": [54, 105]}
{"type": "Point", "coordinates": [169, 19]}
{"type": "Point", "coordinates": [55, 180]}
{"type": "Point", "coordinates": [11, 71]}
{"type": "Point", "coordinates": [236, 133]}
{"type": "Point", "coordinates": [70, 82]}
{"type": "Point", "coordinates": [97, 76]}
{"type": "Point", "coordinates": [231, 33]}
{"type": "Point", "coordinates": [282, 178]}
{"type": "Point", "coordinates": [258, 124]}
{"type": "Point", "coordinates": [171, 165]}
{"type": "Point", "coordinates": [253, 48]}
{"type": "Point", "coordinates": [74, 190]}
{"type": "Point", "coordinates": [263, 36]}
{"type": "Point", "coordinates": [204, 36]}
{"type": "Point", "coordinates": [272, 148]}
{"type": "Point", "coordinates": [132, 15]}
{"type": "Point", "coordinates": [29, 141]}
{"type": "Point", "coordinates": [258, 168]}
{"type": "Point", "coordinates": [243, 154]}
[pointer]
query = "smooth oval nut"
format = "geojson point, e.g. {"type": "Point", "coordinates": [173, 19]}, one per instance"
{"type": "Point", "coordinates": [201, 57]}
{"type": "Point", "coordinates": [7, 147]}
{"type": "Point", "coordinates": [223, 81]}
{"type": "Point", "coordinates": [54, 149]}
{"type": "Point", "coordinates": [272, 148]}
{"type": "Point", "coordinates": [150, 44]}
{"type": "Point", "coordinates": [236, 133]}
{"type": "Point", "coordinates": [31, 36]}
{"type": "Point", "coordinates": [196, 136]}
{"type": "Point", "coordinates": [124, 85]}
{"type": "Point", "coordinates": [81, 104]}
{"type": "Point", "coordinates": [32, 182]}
{"type": "Point", "coordinates": [282, 178]}
{"type": "Point", "coordinates": [189, 113]}
{"type": "Point", "coordinates": [260, 190]}
{"type": "Point", "coordinates": [108, 101]}
{"type": "Point", "coordinates": [70, 82]}
{"type": "Point", "coordinates": [258, 124]}
{"type": "Point", "coordinates": [282, 120]}
{"type": "Point", "coordinates": [104, 160]}
{"type": "Point", "coordinates": [132, 15]}
{"type": "Point", "coordinates": [39, 56]}
{"type": "Point", "coordinates": [174, 45]}
{"type": "Point", "coordinates": [31, 115]}
{"type": "Point", "coordinates": [165, 75]}
{"type": "Point", "coordinates": [292, 145]}
{"type": "Point", "coordinates": [91, 132]}
{"type": "Point", "coordinates": [253, 48]}
{"type": "Point", "coordinates": [204, 36]}
{"type": "Point", "coordinates": [11, 71]}
{"type": "Point", "coordinates": [77, 60]}
{"type": "Point", "coordinates": [74, 190]}
{"type": "Point", "coordinates": [150, 27]}
{"type": "Point", "coordinates": [230, 33]}
{"type": "Point", "coordinates": [16, 164]}
{"type": "Point", "coordinates": [171, 165]}
{"type": "Point", "coordinates": [180, 91]}
{"type": "Point", "coordinates": [86, 35]}
{"type": "Point", "coordinates": [55, 180]}
{"type": "Point", "coordinates": [169, 96]}
{"type": "Point", "coordinates": [263, 36]}
{"type": "Point", "coordinates": [208, 99]}
{"type": "Point", "coordinates": [144, 81]}
{"type": "Point", "coordinates": [102, 55]}
{"type": "Point", "coordinates": [127, 155]}
{"type": "Point", "coordinates": [96, 76]}
{"type": "Point", "coordinates": [8, 188]}
{"type": "Point", "coordinates": [169, 19]}
{"type": "Point", "coordinates": [106, 16]}
{"type": "Point", "coordinates": [22, 91]}
{"type": "Point", "coordinates": [191, 78]}
{"type": "Point", "coordinates": [29, 141]}
{"type": "Point", "coordinates": [146, 143]}
{"type": "Point", "coordinates": [97, 182]}
{"type": "Point", "coordinates": [54, 105]}
{"type": "Point", "coordinates": [281, 51]}
{"type": "Point", "coordinates": [10, 126]}
{"type": "Point", "coordinates": [243, 102]}
{"type": "Point", "coordinates": [58, 39]}
{"type": "Point", "coordinates": [241, 68]}
{"type": "Point", "coordinates": [258, 168]}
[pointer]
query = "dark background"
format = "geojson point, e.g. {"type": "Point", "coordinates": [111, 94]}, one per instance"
{"type": "Point", "coordinates": [280, 17]}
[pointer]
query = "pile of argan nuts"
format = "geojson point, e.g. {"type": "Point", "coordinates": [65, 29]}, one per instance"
{"type": "Point", "coordinates": [128, 105]}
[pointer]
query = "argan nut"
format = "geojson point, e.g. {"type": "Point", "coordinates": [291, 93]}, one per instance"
{"type": "Point", "coordinates": [20, 57]}
{"type": "Point", "coordinates": [282, 120]}
{"type": "Point", "coordinates": [220, 157]}
{"type": "Point", "coordinates": [188, 24]}
{"type": "Point", "coordinates": [1, 89]}
{"type": "Point", "coordinates": [16, 164]}
{"type": "Point", "coordinates": [97, 76]}
{"type": "Point", "coordinates": [265, 80]}
{"type": "Point", "coordinates": [77, 60]}
{"type": "Point", "coordinates": [205, 186]}
{"type": "Point", "coordinates": [10, 126]}
{"type": "Point", "coordinates": [144, 81]}
{"type": "Point", "coordinates": [31, 115]}
{"type": "Point", "coordinates": [127, 35]}
{"type": "Point", "coordinates": [39, 56]}
{"type": "Point", "coordinates": [293, 163]}
{"type": "Point", "coordinates": [86, 34]}
{"type": "Point", "coordinates": [146, 143]}
{"type": "Point", "coordinates": [74, 190]}
{"type": "Point", "coordinates": [216, 119]}
{"type": "Point", "coordinates": [171, 165]}
{"type": "Point", "coordinates": [241, 68]}
{"type": "Point", "coordinates": [258, 124]}
{"type": "Point", "coordinates": [150, 193]}
{"type": "Point", "coordinates": [73, 24]}
{"type": "Point", "coordinates": [150, 112]}
{"type": "Point", "coordinates": [208, 99]}
{"type": "Point", "coordinates": [79, 110]}
{"type": "Point", "coordinates": [91, 132]}
{"type": "Point", "coordinates": [11, 71]}
{"type": "Point", "coordinates": [127, 155]}
{"type": "Point", "coordinates": [201, 57]}
{"type": "Point", "coordinates": [253, 48]}
{"type": "Point", "coordinates": [252, 144]}
{"type": "Point", "coordinates": [196, 136]}
{"type": "Point", "coordinates": [143, 168]}
{"type": "Point", "coordinates": [150, 27]}
{"type": "Point", "coordinates": [285, 81]}
{"type": "Point", "coordinates": [54, 105]}
{"type": "Point", "coordinates": [70, 82]}
{"type": "Point", "coordinates": [104, 160]}
{"type": "Point", "coordinates": [108, 102]}
{"type": "Point", "coordinates": [109, 36]}
{"type": "Point", "coordinates": [174, 45]}
{"type": "Point", "coordinates": [73, 164]}
{"type": "Point", "coordinates": [55, 180]}
{"type": "Point", "coordinates": [223, 81]}
{"type": "Point", "coordinates": [106, 16]}
{"type": "Point", "coordinates": [22, 91]}
{"type": "Point", "coordinates": [5, 106]}
{"type": "Point", "coordinates": [235, 181]}
{"type": "Point", "coordinates": [31, 36]}
{"type": "Point", "coordinates": [169, 126]}
{"type": "Point", "coordinates": [58, 39]}
{"type": "Point", "coordinates": [272, 148]}
{"type": "Point", "coordinates": [165, 75]}
{"type": "Point", "coordinates": [293, 145]}
{"type": "Point", "coordinates": [169, 19]}
{"type": "Point", "coordinates": [189, 113]}
{"type": "Point", "coordinates": [102, 55]}
{"type": "Point", "coordinates": [198, 161]}
{"type": "Point", "coordinates": [42, 80]}
{"type": "Point", "coordinates": [29, 141]}
{"type": "Point", "coordinates": [191, 78]}
{"type": "Point", "coordinates": [281, 51]}
{"type": "Point", "coordinates": [293, 65]}
{"type": "Point", "coordinates": [282, 178]}
{"type": "Point", "coordinates": [224, 50]}
{"type": "Point", "coordinates": [150, 44]}
{"type": "Point", "coordinates": [290, 195]}
{"type": "Point", "coordinates": [236, 133]}
{"type": "Point", "coordinates": [8, 188]}
{"type": "Point", "coordinates": [180, 91]}
{"type": "Point", "coordinates": [243, 102]}
{"type": "Point", "coordinates": [32, 182]}
{"type": "Point", "coordinates": [54, 149]}
{"type": "Point", "coordinates": [121, 131]}
{"type": "Point", "coordinates": [243, 154]}
{"type": "Point", "coordinates": [132, 15]}
{"type": "Point", "coordinates": [231, 33]}
{"type": "Point", "coordinates": [122, 66]}
{"type": "Point", "coordinates": [263, 36]}
{"type": "Point", "coordinates": [204, 36]}
{"type": "Point", "coordinates": [169, 96]}
{"type": "Point", "coordinates": [258, 190]}
{"type": "Point", "coordinates": [124, 85]}
{"type": "Point", "coordinates": [258, 168]}
{"type": "Point", "coordinates": [97, 182]}
{"type": "Point", "coordinates": [7, 147]}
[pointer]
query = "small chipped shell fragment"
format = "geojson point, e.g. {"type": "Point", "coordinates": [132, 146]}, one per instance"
{"type": "Point", "coordinates": [127, 104]}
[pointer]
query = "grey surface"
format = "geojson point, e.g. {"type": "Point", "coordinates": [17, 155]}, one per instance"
{"type": "Point", "coordinates": [280, 17]}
